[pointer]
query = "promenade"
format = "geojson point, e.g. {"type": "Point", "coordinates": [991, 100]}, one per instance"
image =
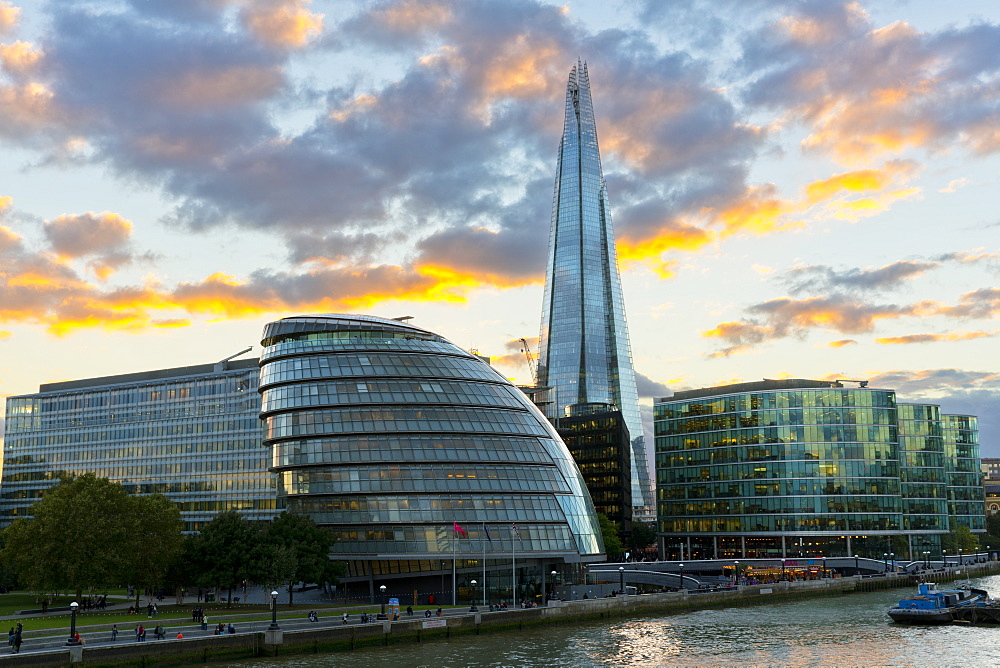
{"type": "Point", "coordinates": [329, 634]}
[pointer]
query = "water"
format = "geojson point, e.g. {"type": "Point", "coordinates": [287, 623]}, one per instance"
{"type": "Point", "coordinates": [837, 632]}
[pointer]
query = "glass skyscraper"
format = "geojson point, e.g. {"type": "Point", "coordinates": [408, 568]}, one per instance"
{"type": "Point", "coordinates": [584, 353]}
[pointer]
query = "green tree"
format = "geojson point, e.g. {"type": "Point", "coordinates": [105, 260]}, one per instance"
{"type": "Point", "coordinates": [609, 530]}
{"type": "Point", "coordinates": [157, 541]}
{"type": "Point", "coordinates": [88, 533]}
{"type": "Point", "coordinates": [227, 552]}
{"type": "Point", "coordinates": [299, 550]}
{"type": "Point", "coordinates": [643, 536]}
{"type": "Point", "coordinates": [960, 538]}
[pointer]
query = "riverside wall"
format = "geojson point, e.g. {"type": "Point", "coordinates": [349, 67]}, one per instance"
{"type": "Point", "coordinates": [340, 638]}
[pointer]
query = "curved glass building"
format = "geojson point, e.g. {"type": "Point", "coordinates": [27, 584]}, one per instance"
{"type": "Point", "coordinates": [395, 438]}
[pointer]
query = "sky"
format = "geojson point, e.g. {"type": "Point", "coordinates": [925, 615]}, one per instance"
{"type": "Point", "coordinates": [804, 189]}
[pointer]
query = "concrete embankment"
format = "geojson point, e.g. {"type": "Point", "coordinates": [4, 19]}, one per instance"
{"type": "Point", "coordinates": [337, 638]}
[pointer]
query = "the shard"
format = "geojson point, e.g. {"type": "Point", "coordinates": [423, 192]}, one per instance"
{"type": "Point", "coordinates": [584, 345]}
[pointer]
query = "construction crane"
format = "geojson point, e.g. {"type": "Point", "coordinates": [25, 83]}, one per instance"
{"type": "Point", "coordinates": [531, 361]}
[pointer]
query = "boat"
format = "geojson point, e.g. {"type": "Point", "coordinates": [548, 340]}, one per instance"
{"type": "Point", "coordinates": [931, 606]}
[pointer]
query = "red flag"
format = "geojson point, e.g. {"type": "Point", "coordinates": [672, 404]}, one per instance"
{"type": "Point", "coordinates": [460, 530]}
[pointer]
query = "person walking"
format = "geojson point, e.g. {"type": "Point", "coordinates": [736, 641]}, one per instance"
{"type": "Point", "coordinates": [17, 642]}
{"type": "Point", "coordinates": [204, 622]}
{"type": "Point", "coordinates": [114, 632]}
{"type": "Point", "coordinates": [10, 637]}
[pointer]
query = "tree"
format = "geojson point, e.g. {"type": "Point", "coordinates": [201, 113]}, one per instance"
{"type": "Point", "coordinates": [157, 541]}
{"type": "Point", "coordinates": [960, 538]}
{"type": "Point", "coordinates": [89, 533]}
{"type": "Point", "coordinates": [643, 536]}
{"type": "Point", "coordinates": [299, 551]}
{"type": "Point", "coordinates": [227, 552]}
{"type": "Point", "coordinates": [609, 530]}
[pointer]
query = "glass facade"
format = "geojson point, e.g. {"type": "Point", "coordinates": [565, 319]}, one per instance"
{"type": "Point", "coordinates": [966, 499]}
{"type": "Point", "coordinates": [192, 434]}
{"type": "Point", "coordinates": [584, 353]}
{"type": "Point", "coordinates": [389, 435]}
{"type": "Point", "coordinates": [599, 443]}
{"type": "Point", "coordinates": [799, 467]}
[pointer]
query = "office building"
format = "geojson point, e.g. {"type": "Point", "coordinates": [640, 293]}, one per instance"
{"type": "Point", "coordinates": [191, 433]}
{"type": "Point", "coordinates": [584, 353]}
{"type": "Point", "coordinates": [392, 437]}
{"type": "Point", "coordinates": [789, 468]}
{"type": "Point", "coordinates": [600, 444]}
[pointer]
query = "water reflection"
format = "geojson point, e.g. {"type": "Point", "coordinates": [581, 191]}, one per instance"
{"type": "Point", "coordinates": [835, 632]}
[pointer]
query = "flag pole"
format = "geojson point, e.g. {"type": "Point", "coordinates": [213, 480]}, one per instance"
{"type": "Point", "coordinates": [484, 563]}
{"type": "Point", "coordinates": [454, 593]}
{"type": "Point", "coordinates": [513, 572]}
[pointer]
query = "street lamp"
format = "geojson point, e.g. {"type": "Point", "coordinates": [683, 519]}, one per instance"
{"type": "Point", "coordinates": [72, 624]}
{"type": "Point", "coordinates": [960, 559]}
{"type": "Point", "coordinates": [856, 568]}
{"type": "Point", "coordinates": [989, 556]}
{"type": "Point", "coordinates": [554, 574]}
{"type": "Point", "coordinates": [621, 579]}
{"type": "Point", "coordinates": [927, 560]}
{"type": "Point", "coordinates": [892, 561]}
{"type": "Point", "coordinates": [683, 586]}
{"type": "Point", "coordinates": [783, 569]}
{"type": "Point", "coordinates": [885, 562]}
{"type": "Point", "coordinates": [274, 612]}
{"type": "Point", "coordinates": [473, 608]}
{"type": "Point", "coordinates": [382, 614]}
{"type": "Point", "coordinates": [736, 567]}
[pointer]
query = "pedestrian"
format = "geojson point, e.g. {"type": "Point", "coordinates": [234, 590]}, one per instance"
{"type": "Point", "coordinates": [114, 632]}
{"type": "Point", "coordinates": [10, 636]}
{"type": "Point", "coordinates": [409, 611]}
{"type": "Point", "coordinates": [230, 629]}
{"type": "Point", "coordinates": [17, 642]}
{"type": "Point", "coordinates": [204, 622]}
{"type": "Point", "coordinates": [139, 632]}
{"type": "Point", "coordinates": [159, 631]}
{"type": "Point", "coordinates": [156, 610]}
{"type": "Point", "coordinates": [12, 630]}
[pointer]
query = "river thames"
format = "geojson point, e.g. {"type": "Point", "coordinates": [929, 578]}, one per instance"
{"type": "Point", "coordinates": [833, 631]}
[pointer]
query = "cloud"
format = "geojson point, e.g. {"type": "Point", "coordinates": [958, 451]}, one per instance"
{"type": "Point", "coordinates": [931, 338]}
{"type": "Point", "coordinates": [284, 24]}
{"type": "Point", "coordinates": [822, 278]}
{"type": "Point", "coordinates": [954, 185]}
{"type": "Point", "coordinates": [20, 58]}
{"type": "Point", "coordinates": [864, 91]}
{"type": "Point", "coordinates": [930, 382]}
{"type": "Point", "coordinates": [9, 15]}
{"type": "Point", "coordinates": [103, 238]}
{"type": "Point", "coordinates": [650, 388]}
{"type": "Point", "coordinates": [842, 343]}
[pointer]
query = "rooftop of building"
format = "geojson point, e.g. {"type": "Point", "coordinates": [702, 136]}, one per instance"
{"type": "Point", "coordinates": [147, 376]}
{"type": "Point", "coordinates": [765, 385]}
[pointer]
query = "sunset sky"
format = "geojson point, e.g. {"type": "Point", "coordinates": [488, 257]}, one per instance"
{"type": "Point", "coordinates": [799, 189]}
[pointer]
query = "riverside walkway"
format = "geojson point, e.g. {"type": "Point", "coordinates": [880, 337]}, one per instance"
{"type": "Point", "coordinates": [329, 634]}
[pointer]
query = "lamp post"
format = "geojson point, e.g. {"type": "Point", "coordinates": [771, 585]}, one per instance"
{"type": "Point", "coordinates": [989, 556]}
{"type": "Point", "coordinates": [857, 569]}
{"type": "Point", "coordinates": [554, 574]}
{"type": "Point", "coordinates": [621, 579]}
{"type": "Point", "coordinates": [736, 568]}
{"type": "Point", "coordinates": [927, 559]}
{"type": "Point", "coordinates": [961, 561]}
{"type": "Point", "coordinates": [892, 561]}
{"type": "Point", "coordinates": [382, 614]}
{"type": "Point", "coordinates": [885, 562]}
{"type": "Point", "coordinates": [822, 568]}
{"type": "Point", "coordinates": [683, 586]}
{"type": "Point", "coordinates": [274, 612]}
{"type": "Point", "coordinates": [783, 570]}
{"type": "Point", "coordinates": [72, 624]}
{"type": "Point", "coordinates": [473, 608]}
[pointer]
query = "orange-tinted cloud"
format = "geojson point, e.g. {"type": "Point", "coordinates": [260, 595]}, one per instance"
{"type": "Point", "coordinates": [528, 66]}
{"type": "Point", "coordinates": [841, 343]}
{"type": "Point", "coordinates": [930, 338]}
{"type": "Point", "coordinates": [759, 211]}
{"type": "Point", "coordinates": [218, 88]}
{"type": "Point", "coordinates": [88, 233]}
{"type": "Point", "coordinates": [282, 23]}
{"type": "Point", "coordinates": [5, 202]}
{"type": "Point", "coordinates": [25, 108]}
{"type": "Point", "coordinates": [19, 58]}
{"type": "Point", "coordinates": [414, 16]}
{"type": "Point", "coordinates": [9, 15]}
